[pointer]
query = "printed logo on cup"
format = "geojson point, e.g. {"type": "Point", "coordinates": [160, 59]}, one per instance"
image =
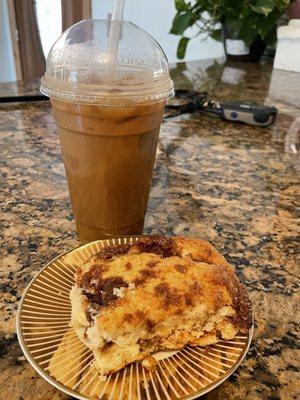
{"type": "Point", "coordinates": [129, 60]}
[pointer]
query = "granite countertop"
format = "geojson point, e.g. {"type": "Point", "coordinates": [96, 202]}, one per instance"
{"type": "Point", "coordinates": [232, 184]}
{"type": "Point", "coordinates": [20, 88]}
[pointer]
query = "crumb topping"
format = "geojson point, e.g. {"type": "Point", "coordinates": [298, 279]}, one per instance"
{"type": "Point", "coordinates": [188, 298]}
{"type": "Point", "coordinates": [112, 252]}
{"type": "Point", "coordinates": [128, 266]}
{"type": "Point", "coordinates": [127, 317]}
{"type": "Point", "coordinates": [195, 289]}
{"type": "Point", "coordinates": [100, 292]}
{"type": "Point", "coordinates": [140, 280]}
{"type": "Point", "coordinates": [150, 324]}
{"type": "Point", "coordinates": [148, 273]}
{"type": "Point", "coordinates": [171, 283]}
{"type": "Point", "coordinates": [169, 295]}
{"type": "Point", "coordinates": [160, 245]}
{"type": "Point", "coordinates": [180, 268]}
{"type": "Point", "coordinates": [151, 263]}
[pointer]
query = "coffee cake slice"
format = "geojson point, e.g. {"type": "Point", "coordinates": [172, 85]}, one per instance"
{"type": "Point", "coordinates": [160, 293]}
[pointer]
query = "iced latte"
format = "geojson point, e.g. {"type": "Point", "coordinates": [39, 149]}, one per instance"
{"type": "Point", "coordinates": [108, 113]}
{"type": "Point", "coordinates": [109, 154]}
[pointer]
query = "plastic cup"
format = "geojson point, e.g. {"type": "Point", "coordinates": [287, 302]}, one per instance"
{"type": "Point", "coordinates": [108, 124]}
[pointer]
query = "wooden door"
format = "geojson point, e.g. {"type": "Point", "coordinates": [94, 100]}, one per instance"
{"type": "Point", "coordinates": [28, 51]}
{"type": "Point", "coordinates": [74, 11]}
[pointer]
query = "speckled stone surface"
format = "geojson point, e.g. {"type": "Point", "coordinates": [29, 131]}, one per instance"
{"type": "Point", "coordinates": [231, 184]}
{"type": "Point", "coordinates": [20, 88]}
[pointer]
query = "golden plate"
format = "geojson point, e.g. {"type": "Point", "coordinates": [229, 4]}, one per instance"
{"type": "Point", "coordinates": [56, 353]}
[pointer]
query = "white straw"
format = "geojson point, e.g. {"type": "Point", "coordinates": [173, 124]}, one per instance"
{"type": "Point", "coordinates": [114, 35]}
{"type": "Point", "coordinates": [117, 12]}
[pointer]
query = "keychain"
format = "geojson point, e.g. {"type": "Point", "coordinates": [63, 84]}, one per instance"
{"type": "Point", "coordinates": [189, 101]}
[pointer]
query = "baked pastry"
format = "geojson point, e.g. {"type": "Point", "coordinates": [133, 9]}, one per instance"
{"type": "Point", "coordinates": [160, 293]}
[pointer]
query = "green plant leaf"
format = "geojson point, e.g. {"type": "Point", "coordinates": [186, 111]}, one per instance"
{"type": "Point", "coordinates": [182, 47]}
{"type": "Point", "coordinates": [263, 6]}
{"type": "Point", "coordinates": [181, 5]}
{"type": "Point", "coordinates": [271, 38]}
{"type": "Point", "coordinates": [233, 26]}
{"type": "Point", "coordinates": [266, 24]}
{"type": "Point", "coordinates": [244, 19]}
{"type": "Point", "coordinates": [248, 32]}
{"type": "Point", "coordinates": [180, 23]}
{"type": "Point", "coordinates": [216, 34]}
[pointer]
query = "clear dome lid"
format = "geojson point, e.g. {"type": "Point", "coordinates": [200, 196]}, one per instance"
{"type": "Point", "coordinates": [79, 68]}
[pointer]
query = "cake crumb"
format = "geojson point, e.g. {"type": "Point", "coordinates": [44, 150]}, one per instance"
{"type": "Point", "coordinates": [149, 363]}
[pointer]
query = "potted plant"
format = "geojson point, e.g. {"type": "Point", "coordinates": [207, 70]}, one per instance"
{"type": "Point", "coordinates": [246, 27]}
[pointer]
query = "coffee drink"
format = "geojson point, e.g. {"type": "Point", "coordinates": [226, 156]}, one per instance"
{"type": "Point", "coordinates": [108, 106]}
{"type": "Point", "coordinates": [109, 153]}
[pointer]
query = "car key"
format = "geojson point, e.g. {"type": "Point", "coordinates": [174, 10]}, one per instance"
{"type": "Point", "coordinates": [251, 114]}
{"type": "Point", "coordinates": [190, 101]}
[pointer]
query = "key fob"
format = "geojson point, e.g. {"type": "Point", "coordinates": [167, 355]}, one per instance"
{"type": "Point", "coordinates": [249, 113]}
